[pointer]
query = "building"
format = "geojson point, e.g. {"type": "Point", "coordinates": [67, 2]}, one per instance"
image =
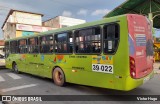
{"type": "Point", "coordinates": [21, 23]}
{"type": "Point", "coordinates": [1, 47]}
{"type": "Point", "coordinates": [1, 42]}
{"type": "Point", "coordinates": [61, 21]}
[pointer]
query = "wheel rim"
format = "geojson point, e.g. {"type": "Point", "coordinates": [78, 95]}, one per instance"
{"type": "Point", "coordinates": [58, 76]}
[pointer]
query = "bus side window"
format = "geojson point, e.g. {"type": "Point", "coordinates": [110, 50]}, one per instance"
{"type": "Point", "coordinates": [14, 47]}
{"type": "Point", "coordinates": [46, 44]}
{"type": "Point", "coordinates": [33, 46]}
{"type": "Point", "coordinates": [111, 38]}
{"type": "Point", "coordinates": [64, 42]}
{"type": "Point", "coordinates": [7, 49]}
{"type": "Point", "coordinates": [22, 46]}
{"type": "Point", "coordinates": [88, 40]}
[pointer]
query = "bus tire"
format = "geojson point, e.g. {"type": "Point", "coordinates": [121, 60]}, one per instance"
{"type": "Point", "coordinates": [58, 77]}
{"type": "Point", "coordinates": [15, 68]}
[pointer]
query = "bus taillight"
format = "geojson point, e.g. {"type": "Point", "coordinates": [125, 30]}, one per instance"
{"type": "Point", "coordinates": [132, 67]}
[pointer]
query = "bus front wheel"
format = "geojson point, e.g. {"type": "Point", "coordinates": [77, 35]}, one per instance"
{"type": "Point", "coordinates": [58, 77]}
{"type": "Point", "coordinates": [15, 68]}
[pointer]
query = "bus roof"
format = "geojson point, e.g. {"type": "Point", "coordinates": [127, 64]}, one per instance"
{"type": "Point", "coordinates": [102, 21]}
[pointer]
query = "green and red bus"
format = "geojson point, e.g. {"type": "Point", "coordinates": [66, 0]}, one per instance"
{"type": "Point", "coordinates": [115, 53]}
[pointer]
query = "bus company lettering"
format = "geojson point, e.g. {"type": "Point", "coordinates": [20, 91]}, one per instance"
{"type": "Point", "coordinates": [79, 68]}
{"type": "Point", "coordinates": [77, 56]}
{"type": "Point", "coordinates": [139, 29]}
{"type": "Point", "coordinates": [140, 53]}
{"type": "Point", "coordinates": [141, 40]}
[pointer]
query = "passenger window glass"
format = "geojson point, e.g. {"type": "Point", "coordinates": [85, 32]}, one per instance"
{"type": "Point", "coordinates": [111, 38]}
{"type": "Point", "coordinates": [7, 49]}
{"type": "Point", "coordinates": [88, 40]}
{"type": "Point", "coordinates": [33, 46]}
{"type": "Point", "coordinates": [23, 46]}
{"type": "Point", "coordinates": [46, 44]}
{"type": "Point", "coordinates": [64, 43]}
{"type": "Point", "coordinates": [14, 47]}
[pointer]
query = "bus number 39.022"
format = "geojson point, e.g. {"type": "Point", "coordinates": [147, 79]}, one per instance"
{"type": "Point", "coordinates": [102, 68]}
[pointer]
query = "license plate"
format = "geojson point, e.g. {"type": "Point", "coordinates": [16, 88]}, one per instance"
{"type": "Point", "coordinates": [102, 68]}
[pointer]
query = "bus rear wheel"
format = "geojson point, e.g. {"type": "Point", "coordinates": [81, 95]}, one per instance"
{"type": "Point", "coordinates": [58, 77]}
{"type": "Point", "coordinates": [15, 68]}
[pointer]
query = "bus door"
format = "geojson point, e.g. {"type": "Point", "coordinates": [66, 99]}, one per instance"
{"type": "Point", "coordinates": [140, 46]}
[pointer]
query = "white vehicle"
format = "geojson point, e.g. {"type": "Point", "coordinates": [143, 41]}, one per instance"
{"type": "Point", "coordinates": [2, 50]}
{"type": "Point", "coordinates": [2, 56]}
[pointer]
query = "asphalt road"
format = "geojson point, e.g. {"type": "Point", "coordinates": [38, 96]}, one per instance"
{"type": "Point", "coordinates": [26, 84]}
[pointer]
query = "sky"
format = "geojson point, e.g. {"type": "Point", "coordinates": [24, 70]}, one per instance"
{"type": "Point", "coordinates": [89, 10]}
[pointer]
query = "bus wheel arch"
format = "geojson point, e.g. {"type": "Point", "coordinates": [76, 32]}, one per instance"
{"type": "Point", "coordinates": [58, 76]}
{"type": "Point", "coordinates": [15, 67]}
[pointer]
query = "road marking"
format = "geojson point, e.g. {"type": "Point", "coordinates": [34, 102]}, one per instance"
{"type": "Point", "coordinates": [14, 76]}
{"type": "Point", "coordinates": [17, 88]}
{"type": "Point", "coordinates": [1, 79]}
